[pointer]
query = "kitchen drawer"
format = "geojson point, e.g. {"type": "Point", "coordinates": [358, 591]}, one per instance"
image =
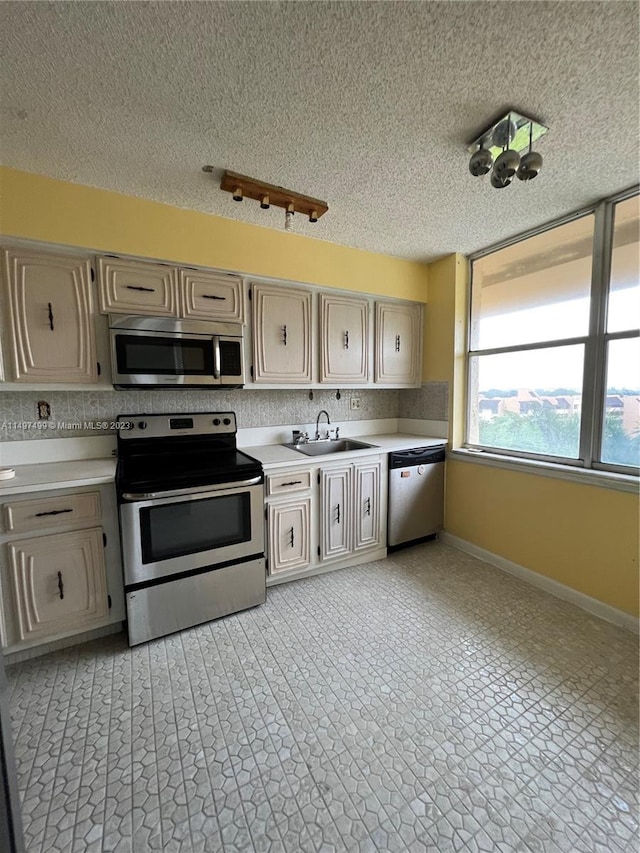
{"type": "Point", "coordinates": [79, 510]}
{"type": "Point", "coordinates": [137, 287]}
{"type": "Point", "coordinates": [288, 481]}
{"type": "Point", "coordinates": [211, 296]}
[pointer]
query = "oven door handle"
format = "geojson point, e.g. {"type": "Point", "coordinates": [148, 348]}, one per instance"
{"type": "Point", "coordinates": [195, 490]}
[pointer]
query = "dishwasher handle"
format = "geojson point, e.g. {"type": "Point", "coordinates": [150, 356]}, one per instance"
{"type": "Point", "coordinates": [416, 456]}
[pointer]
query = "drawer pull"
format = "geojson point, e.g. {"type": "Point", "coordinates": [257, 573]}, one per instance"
{"type": "Point", "coordinates": [346, 339]}
{"type": "Point", "coordinates": [210, 296]}
{"type": "Point", "coordinates": [284, 335]}
{"type": "Point", "coordinates": [60, 585]}
{"type": "Point", "coordinates": [53, 512]}
{"type": "Point", "coordinates": [292, 483]}
{"type": "Point", "coordinates": [145, 289]}
{"type": "Point", "coordinates": [50, 317]}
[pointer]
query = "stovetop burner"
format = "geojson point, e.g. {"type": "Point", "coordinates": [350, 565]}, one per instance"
{"type": "Point", "coordinates": [165, 452]}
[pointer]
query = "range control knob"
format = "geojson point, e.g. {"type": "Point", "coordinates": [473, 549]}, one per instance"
{"type": "Point", "coordinates": [216, 421]}
{"type": "Point", "coordinates": [142, 424]}
{"type": "Point", "coordinates": [226, 421]}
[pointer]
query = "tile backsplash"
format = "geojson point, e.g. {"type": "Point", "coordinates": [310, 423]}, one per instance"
{"type": "Point", "coordinates": [82, 413]}
{"type": "Point", "coordinates": [430, 402]}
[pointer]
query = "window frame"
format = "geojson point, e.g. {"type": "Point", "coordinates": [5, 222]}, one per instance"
{"type": "Point", "coordinates": [595, 342]}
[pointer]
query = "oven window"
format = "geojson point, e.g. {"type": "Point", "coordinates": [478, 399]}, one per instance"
{"type": "Point", "coordinates": [177, 529]}
{"type": "Point", "coordinates": [164, 356]}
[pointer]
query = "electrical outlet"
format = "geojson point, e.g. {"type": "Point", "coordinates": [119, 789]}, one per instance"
{"type": "Point", "coordinates": [355, 402]}
{"type": "Point", "coordinates": [44, 410]}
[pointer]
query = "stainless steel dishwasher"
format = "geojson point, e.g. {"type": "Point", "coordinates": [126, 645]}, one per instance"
{"type": "Point", "coordinates": [416, 495]}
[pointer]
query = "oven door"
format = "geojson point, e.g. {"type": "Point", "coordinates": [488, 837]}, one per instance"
{"type": "Point", "coordinates": [169, 533]}
{"type": "Point", "coordinates": [141, 357]}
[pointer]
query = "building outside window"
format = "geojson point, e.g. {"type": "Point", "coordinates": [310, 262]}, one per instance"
{"type": "Point", "coordinates": [554, 342]}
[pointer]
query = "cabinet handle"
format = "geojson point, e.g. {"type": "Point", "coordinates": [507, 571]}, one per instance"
{"type": "Point", "coordinates": [210, 296]}
{"type": "Point", "coordinates": [368, 509]}
{"type": "Point", "coordinates": [60, 585]}
{"type": "Point", "coordinates": [292, 483]}
{"type": "Point", "coordinates": [145, 289]}
{"type": "Point", "coordinates": [292, 538]}
{"type": "Point", "coordinates": [338, 514]}
{"type": "Point", "coordinates": [50, 317]}
{"type": "Point", "coordinates": [346, 339]}
{"type": "Point", "coordinates": [397, 343]}
{"type": "Point", "coordinates": [284, 335]}
{"type": "Point", "coordinates": [53, 512]}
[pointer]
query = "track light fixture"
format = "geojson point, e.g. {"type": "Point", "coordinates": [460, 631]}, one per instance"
{"type": "Point", "coordinates": [240, 187]}
{"type": "Point", "coordinates": [497, 149]}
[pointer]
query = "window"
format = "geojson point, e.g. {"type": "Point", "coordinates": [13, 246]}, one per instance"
{"type": "Point", "coordinates": [554, 342]}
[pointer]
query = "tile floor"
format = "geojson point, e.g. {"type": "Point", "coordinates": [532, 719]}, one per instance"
{"type": "Point", "coordinates": [426, 702]}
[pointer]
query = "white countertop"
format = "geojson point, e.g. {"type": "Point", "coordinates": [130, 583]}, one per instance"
{"type": "Point", "coordinates": [59, 475]}
{"type": "Point", "coordinates": [278, 456]}
{"type": "Point", "coordinates": [91, 472]}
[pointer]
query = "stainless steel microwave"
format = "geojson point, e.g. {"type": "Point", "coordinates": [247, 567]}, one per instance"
{"type": "Point", "coordinates": [147, 352]}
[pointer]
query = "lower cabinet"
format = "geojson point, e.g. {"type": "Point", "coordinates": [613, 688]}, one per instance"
{"type": "Point", "coordinates": [350, 514]}
{"type": "Point", "coordinates": [60, 569]}
{"type": "Point", "coordinates": [367, 502]}
{"type": "Point", "coordinates": [58, 582]}
{"type": "Point", "coordinates": [289, 520]}
{"type": "Point", "coordinates": [335, 513]}
{"type": "Point", "coordinates": [289, 535]}
{"type": "Point", "coordinates": [331, 512]}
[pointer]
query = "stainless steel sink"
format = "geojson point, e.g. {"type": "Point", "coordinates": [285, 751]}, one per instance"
{"type": "Point", "coordinates": [321, 448]}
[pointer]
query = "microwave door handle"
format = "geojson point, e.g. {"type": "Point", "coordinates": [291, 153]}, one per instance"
{"type": "Point", "coordinates": [216, 357]}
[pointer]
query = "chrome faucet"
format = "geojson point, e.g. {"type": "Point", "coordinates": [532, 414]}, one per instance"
{"type": "Point", "coordinates": [322, 412]}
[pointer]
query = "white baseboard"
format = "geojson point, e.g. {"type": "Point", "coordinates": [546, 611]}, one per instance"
{"type": "Point", "coordinates": [560, 590]}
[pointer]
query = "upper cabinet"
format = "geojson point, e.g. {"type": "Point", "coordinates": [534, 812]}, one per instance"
{"type": "Point", "coordinates": [344, 339]}
{"type": "Point", "coordinates": [302, 336]}
{"type": "Point", "coordinates": [207, 295]}
{"type": "Point", "coordinates": [161, 290]}
{"type": "Point", "coordinates": [137, 287]}
{"type": "Point", "coordinates": [281, 334]}
{"type": "Point", "coordinates": [398, 343]}
{"type": "Point", "coordinates": [52, 336]}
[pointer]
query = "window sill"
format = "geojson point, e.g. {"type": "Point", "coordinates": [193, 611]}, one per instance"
{"type": "Point", "coordinates": [590, 477]}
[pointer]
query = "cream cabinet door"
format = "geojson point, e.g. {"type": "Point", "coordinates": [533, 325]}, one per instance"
{"type": "Point", "coordinates": [207, 295]}
{"type": "Point", "coordinates": [59, 583]}
{"type": "Point", "coordinates": [137, 287]}
{"type": "Point", "coordinates": [366, 505]}
{"type": "Point", "coordinates": [289, 535]}
{"type": "Point", "coordinates": [398, 343]}
{"type": "Point", "coordinates": [50, 305]}
{"type": "Point", "coordinates": [281, 334]}
{"type": "Point", "coordinates": [335, 508]}
{"type": "Point", "coordinates": [344, 339]}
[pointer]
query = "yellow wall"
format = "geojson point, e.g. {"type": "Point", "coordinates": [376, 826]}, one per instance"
{"type": "Point", "coordinates": [583, 536]}
{"type": "Point", "coordinates": [445, 334]}
{"type": "Point", "coordinates": [40, 208]}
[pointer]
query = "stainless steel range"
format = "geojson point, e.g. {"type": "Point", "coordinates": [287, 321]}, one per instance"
{"type": "Point", "coordinates": [191, 521]}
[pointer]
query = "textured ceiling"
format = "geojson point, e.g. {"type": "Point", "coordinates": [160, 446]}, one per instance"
{"type": "Point", "coordinates": [368, 105]}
